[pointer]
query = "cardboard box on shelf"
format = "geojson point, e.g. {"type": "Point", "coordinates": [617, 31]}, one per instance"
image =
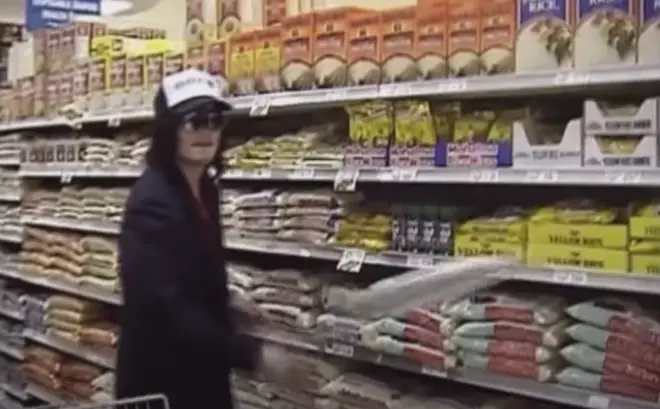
{"type": "Point", "coordinates": [81, 85]}
{"type": "Point", "coordinates": [195, 57]}
{"type": "Point", "coordinates": [241, 63]}
{"type": "Point", "coordinates": [40, 50]}
{"type": "Point", "coordinates": [619, 137]}
{"type": "Point", "coordinates": [364, 48]}
{"type": "Point", "coordinates": [116, 91]}
{"type": "Point", "coordinates": [39, 95]}
{"type": "Point", "coordinates": [606, 33]}
{"type": "Point", "coordinates": [216, 60]}
{"type": "Point", "coordinates": [228, 18]}
{"type": "Point", "coordinates": [53, 58]}
{"type": "Point", "coordinates": [174, 62]}
{"type": "Point", "coordinates": [498, 36]}
{"type": "Point", "coordinates": [26, 93]}
{"type": "Point", "coordinates": [398, 30]}
{"type": "Point", "coordinates": [153, 71]}
{"type": "Point", "coordinates": [545, 35]}
{"type": "Point", "coordinates": [648, 51]}
{"type": "Point", "coordinates": [52, 95]}
{"type": "Point", "coordinates": [330, 47]}
{"type": "Point", "coordinates": [537, 145]}
{"type": "Point", "coordinates": [65, 86]}
{"type": "Point", "coordinates": [268, 59]}
{"type": "Point", "coordinates": [431, 42]}
{"type": "Point", "coordinates": [135, 82]}
{"type": "Point", "coordinates": [194, 28]}
{"type": "Point", "coordinates": [98, 85]}
{"type": "Point", "coordinates": [298, 52]}
{"type": "Point", "coordinates": [274, 11]}
{"type": "Point", "coordinates": [464, 33]}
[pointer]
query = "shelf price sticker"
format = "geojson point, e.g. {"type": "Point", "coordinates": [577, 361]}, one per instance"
{"type": "Point", "coordinates": [339, 349]}
{"type": "Point", "coordinates": [598, 402]}
{"type": "Point", "coordinates": [404, 174]}
{"type": "Point", "coordinates": [264, 173]}
{"type": "Point", "coordinates": [570, 277]}
{"type": "Point", "coordinates": [114, 122]}
{"type": "Point", "coordinates": [260, 106]}
{"type": "Point", "coordinates": [572, 78]}
{"type": "Point", "coordinates": [302, 173]}
{"type": "Point", "coordinates": [233, 173]}
{"type": "Point", "coordinates": [450, 86]}
{"type": "Point", "coordinates": [436, 373]}
{"type": "Point", "coordinates": [484, 176]}
{"type": "Point", "coordinates": [622, 178]}
{"type": "Point", "coordinates": [336, 95]}
{"type": "Point", "coordinates": [351, 260]}
{"type": "Point", "coordinates": [420, 261]}
{"type": "Point", "coordinates": [542, 176]}
{"type": "Point", "coordinates": [66, 177]}
{"type": "Point", "coordinates": [346, 179]}
{"type": "Point", "coordinates": [394, 90]}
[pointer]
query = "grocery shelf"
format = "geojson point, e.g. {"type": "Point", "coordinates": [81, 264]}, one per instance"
{"type": "Point", "coordinates": [44, 395]}
{"type": "Point", "coordinates": [11, 351]}
{"type": "Point", "coordinates": [71, 348]}
{"type": "Point", "coordinates": [85, 291]}
{"type": "Point", "coordinates": [568, 177]}
{"type": "Point", "coordinates": [17, 393]}
{"type": "Point", "coordinates": [10, 196]}
{"type": "Point", "coordinates": [521, 387]}
{"type": "Point", "coordinates": [10, 162]}
{"type": "Point", "coordinates": [10, 237]}
{"type": "Point", "coordinates": [610, 281]}
{"type": "Point", "coordinates": [536, 83]}
{"type": "Point", "coordinates": [11, 313]}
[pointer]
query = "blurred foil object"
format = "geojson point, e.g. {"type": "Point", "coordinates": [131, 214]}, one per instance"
{"type": "Point", "coordinates": [393, 295]}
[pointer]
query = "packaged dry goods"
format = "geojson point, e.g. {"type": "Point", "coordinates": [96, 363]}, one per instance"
{"type": "Point", "coordinates": [616, 349]}
{"type": "Point", "coordinates": [514, 335]}
{"type": "Point", "coordinates": [42, 367]}
{"type": "Point", "coordinates": [354, 390]}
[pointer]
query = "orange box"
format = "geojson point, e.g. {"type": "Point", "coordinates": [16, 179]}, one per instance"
{"type": "Point", "coordinates": [227, 18]}
{"type": "Point", "coordinates": [431, 43]}
{"type": "Point", "coordinates": [241, 63]}
{"type": "Point", "coordinates": [195, 57]}
{"type": "Point", "coordinates": [330, 46]}
{"type": "Point", "coordinates": [464, 42]}
{"type": "Point", "coordinates": [498, 36]}
{"type": "Point", "coordinates": [298, 52]}
{"type": "Point", "coordinates": [216, 60]}
{"type": "Point", "coordinates": [268, 59]}
{"type": "Point", "coordinates": [363, 52]}
{"type": "Point", "coordinates": [398, 32]}
{"type": "Point", "coordinates": [274, 11]}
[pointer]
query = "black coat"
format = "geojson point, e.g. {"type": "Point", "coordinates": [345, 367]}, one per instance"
{"type": "Point", "coordinates": [178, 337]}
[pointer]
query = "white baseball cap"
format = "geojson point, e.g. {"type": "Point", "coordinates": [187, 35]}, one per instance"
{"type": "Point", "coordinates": [187, 90]}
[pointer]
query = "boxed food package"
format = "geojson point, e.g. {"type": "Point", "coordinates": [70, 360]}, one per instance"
{"type": "Point", "coordinates": [621, 135]}
{"type": "Point", "coordinates": [241, 63]}
{"type": "Point", "coordinates": [431, 43]}
{"type": "Point", "coordinates": [398, 33]}
{"type": "Point", "coordinates": [267, 59]}
{"type": "Point", "coordinates": [364, 48]}
{"type": "Point", "coordinates": [297, 52]}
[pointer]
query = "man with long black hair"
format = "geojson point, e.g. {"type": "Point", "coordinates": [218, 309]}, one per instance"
{"type": "Point", "coordinates": [179, 334]}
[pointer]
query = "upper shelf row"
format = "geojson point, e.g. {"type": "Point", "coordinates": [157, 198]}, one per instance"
{"type": "Point", "coordinates": [533, 84]}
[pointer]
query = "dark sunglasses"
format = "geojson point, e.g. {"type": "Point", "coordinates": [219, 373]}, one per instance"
{"type": "Point", "coordinates": [195, 121]}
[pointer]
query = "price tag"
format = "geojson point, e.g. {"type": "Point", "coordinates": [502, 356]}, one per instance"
{"type": "Point", "coordinates": [335, 348]}
{"type": "Point", "coordinates": [572, 78]}
{"type": "Point", "coordinates": [404, 174]}
{"type": "Point", "coordinates": [420, 260]}
{"type": "Point", "coordinates": [394, 90]}
{"type": "Point", "coordinates": [263, 173]}
{"type": "Point", "coordinates": [436, 373]}
{"type": "Point", "coordinates": [484, 176]}
{"type": "Point", "coordinates": [351, 260]}
{"type": "Point", "coordinates": [598, 402]}
{"type": "Point", "coordinates": [66, 177]}
{"type": "Point", "coordinates": [335, 95]}
{"type": "Point", "coordinates": [624, 177]}
{"type": "Point", "coordinates": [542, 176]}
{"type": "Point", "coordinates": [452, 86]}
{"type": "Point", "coordinates": [302, 173]}
{"type": "Point", "coordinates": [346, 180]}
{"type": "Point", "coordinates": [570, 277]}
{"type": "Point", "coordinates": [233, 173]}
{"type": "Point", "coordinates": [114, 122]}
{"type": "Point", "coordinates": [260, 106]}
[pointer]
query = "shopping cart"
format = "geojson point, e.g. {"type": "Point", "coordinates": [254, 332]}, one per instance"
{"type": "Point", "coordinates": [142, 402]}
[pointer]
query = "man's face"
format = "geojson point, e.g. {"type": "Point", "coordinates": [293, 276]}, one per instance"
{"type": "Point", "coordinates": [199, 138]}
